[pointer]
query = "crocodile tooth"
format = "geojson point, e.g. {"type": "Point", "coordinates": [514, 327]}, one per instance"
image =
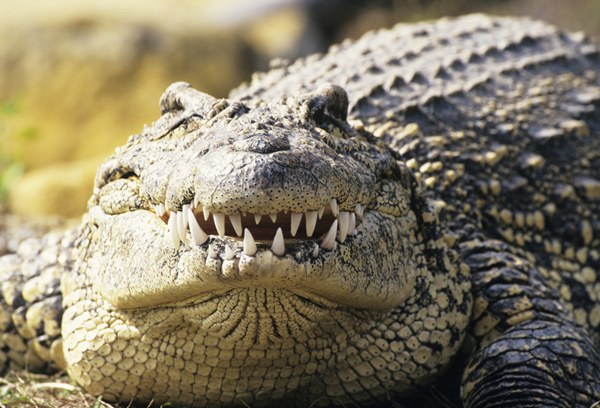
{"type": "Point", "coordinates": [182, 226]}
{"type": "Point", "coordinates": [206, 213]}
{"type": "Point", "coordinates": [219, 220]}
{"type": "Point", "coordinates": [173, 230]}
{"type": "Point", "coordinates": [335, 209]}
{"type": "Point", "coordinates": [236, 222]}
{"type": "Point", "coordinates": [229, 254]}
{"type": "Point", "coordinates": [249, 244]}
{"type": "Point", "coordinates": [296, 218]}
{"type": "Point", "coordinates": [195, 202]}
{"type": "Point", "coordinates": [278, 247]}
{"type": "Point", "coordinates": [212, 252]}
{"type": "Point", "coordinates": [328, 241]}
{"type": "Point", "coordinates": [273, 218]}
{"type": "Point", "coordinates": [184, 210]}
{"type": "Point", "coordinates": [352, 226]}
{"type": "Point", "coordinates": [321, 211]}
{"type": "Point", "coordinates": [257, 218]}
{"type": "Point", "coordinates": [359, 210]}
{"type": "Point", "coordinates": [311, 222]}
{"type": "Point", "coordinates": [315, 251]}
{"type": "Point", "coordinates": [162, 209]}
{"type": "Point", "coordinates": [343, 225]}
{"type": "Point", "coordinates": [157, 210]}
{"type": "Point", "coordinates": [198, 236]}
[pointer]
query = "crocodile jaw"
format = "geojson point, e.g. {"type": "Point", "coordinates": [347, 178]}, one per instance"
{"type": "Point", "coordinates": [137, 265]}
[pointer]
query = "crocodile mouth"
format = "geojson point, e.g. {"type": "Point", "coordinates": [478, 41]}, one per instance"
{"type": "Point", "coordinates": [179, 257]}
{"type": "Point", "coordinates": [328, 225]}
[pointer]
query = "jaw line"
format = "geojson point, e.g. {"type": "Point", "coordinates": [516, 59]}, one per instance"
{"type": "Point", "coordinates": [139, 271]}
{"type": "Point", "coordinates": [202, 298]}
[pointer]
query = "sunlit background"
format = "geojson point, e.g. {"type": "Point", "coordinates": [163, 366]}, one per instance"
{"type": "Point", "coordinates": [78, 77]}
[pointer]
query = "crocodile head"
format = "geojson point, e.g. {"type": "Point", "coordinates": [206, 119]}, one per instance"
{"type": "Point", "coordinates": [282, 195]}
{"type": "Point", "coordinates": [273, 226]}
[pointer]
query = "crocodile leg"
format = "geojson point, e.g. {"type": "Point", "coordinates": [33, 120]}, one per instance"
{"type": "Point", "coordinates": [539, 363]}
{"type": "Point", "coordinates": [532, 352]}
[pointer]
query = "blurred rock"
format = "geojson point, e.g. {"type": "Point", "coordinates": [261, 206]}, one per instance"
{"type": "Point", "coordinates": [62, 189]}
{"type": "Point", "coordinates": [86, 74]}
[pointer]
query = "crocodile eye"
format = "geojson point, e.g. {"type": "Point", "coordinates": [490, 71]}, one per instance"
{"type": "Point", "coordinates": [330, 99]}
{"type": "Point", "coordinates": [112, 170]}
{"type": "Point", "coordinates": [127, 174]}
{"type": "Point", "coordinates": [316, 110]}
{"type": "Point", "coordinates": [181, 96]}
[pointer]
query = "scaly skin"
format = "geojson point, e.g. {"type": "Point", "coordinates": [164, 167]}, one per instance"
{"type": "Point", "coordinates": [469, 165]}
{"type": "Point", "coordinates": [198, 326]}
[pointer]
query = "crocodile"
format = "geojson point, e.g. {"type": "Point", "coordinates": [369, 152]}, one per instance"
{"type": "Point", "coordinates": [418, 206]}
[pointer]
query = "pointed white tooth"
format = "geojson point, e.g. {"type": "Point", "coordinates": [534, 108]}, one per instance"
{"type": "Point", "coordinates": [196, 200]}
{"type": "Point", "coordinates": [206, 213]}
{"type": "Point", "coordinates": [249, 244]}
{"type": "Point", "coordinates": [298, 256]}
{"type": "Point", "coordinates": [311, 222]}
{"type": "Point", "coordinates": [219, 220]}
{"type": "Point", "coordinates": [157, 211]}
{"type": "Point", "coordinates": [315, 251]}
{"type": "Point", "coordinates": [257, 218]}
{"type": "Point", "coordinates": [296, 218]}
{"type": "Point", "coordinates": [352, 226]}
{"type": "Point", "coordinates": [229, 254]}
{"type": "Point", "coordinates": [358, 210]}
{"type": "Point", "coordinates": [173, 230]}
{"type": "Point", "coordinates": [163, 209]}
{"type": "Point", "coordinates": [236, 222]}
{"type": "Point", "coordinates": [182, 226]}
{"type": "Point", "coordinates": [278, 247]}
{"type": "Point", "coordinates": [198, 236]}
{"type": "Point", "coordinates": [212, 252]}
{"type": "Point", "coordinates": [184, 209]}
{"type": "Point", "coordinates": [328, 241]}
{"type": "Point", "coordinates": [343, 225]}
{"type": "Point", "coordinates": [321, 211]}
{"type": "Point", "coordinates": [335, 209]}
{"type": "Point", "coordinates": [273, 218]}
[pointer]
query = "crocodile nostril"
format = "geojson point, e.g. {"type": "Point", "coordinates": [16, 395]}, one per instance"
{"type": "Point", "coordinates": [263, 144]}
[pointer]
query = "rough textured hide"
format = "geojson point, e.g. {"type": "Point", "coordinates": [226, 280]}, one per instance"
{"type": "Point", "coordinates": [273, 249]}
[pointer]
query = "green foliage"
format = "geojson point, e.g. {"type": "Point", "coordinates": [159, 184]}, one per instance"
{"type": "Point", "coordinates": [12, 141]}
{"type": "Point", "coordinates": [9, 172]}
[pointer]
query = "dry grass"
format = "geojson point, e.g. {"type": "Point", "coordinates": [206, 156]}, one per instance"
{"type": "Point", "coordinates": [24, 389]}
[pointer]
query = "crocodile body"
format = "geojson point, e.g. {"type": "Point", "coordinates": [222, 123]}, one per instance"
{"type": "Point", "coordinates": [340, 231]}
